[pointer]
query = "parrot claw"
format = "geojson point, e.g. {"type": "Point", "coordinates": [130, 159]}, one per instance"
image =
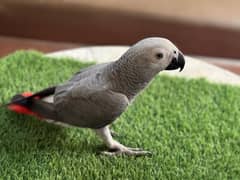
{"type": "Point", "coordinates": [114, 134]}
{"type": "Point", "coordinates": [127, 151]}
{"type": "Point", "coordinates": [135, 149]}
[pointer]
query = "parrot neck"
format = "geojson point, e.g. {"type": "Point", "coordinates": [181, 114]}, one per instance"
{"type": "Point", "coordinates": [128, 78]}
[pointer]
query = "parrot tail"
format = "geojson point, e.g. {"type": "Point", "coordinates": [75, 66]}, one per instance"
{"type": "Point", "coordinates": [31, 104]}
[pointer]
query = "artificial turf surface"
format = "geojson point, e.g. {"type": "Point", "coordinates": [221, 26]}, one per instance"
{"type": "Point", "coordinates": [191, 126]}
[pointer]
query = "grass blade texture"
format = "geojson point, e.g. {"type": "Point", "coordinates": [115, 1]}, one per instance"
{"type": "Point", "coordinates": [191, 126]}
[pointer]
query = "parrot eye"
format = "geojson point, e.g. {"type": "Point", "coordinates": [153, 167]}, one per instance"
{"type": "Point", "coordinates": [159, 55]}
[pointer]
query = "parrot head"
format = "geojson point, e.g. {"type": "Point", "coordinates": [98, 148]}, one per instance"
{"type": "Point", "coordinates": [156, 54]}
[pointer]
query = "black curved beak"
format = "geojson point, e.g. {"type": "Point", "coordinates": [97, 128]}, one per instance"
{"type": "Point", "coordinates": [177, 63]}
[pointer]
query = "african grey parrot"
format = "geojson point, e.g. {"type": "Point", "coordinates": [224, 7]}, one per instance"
{"type": "Point", "coordinates": [95, 96]}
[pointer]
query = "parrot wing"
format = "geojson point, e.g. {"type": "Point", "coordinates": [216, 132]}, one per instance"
{"type": "Point", "coordinates": [88, 105]}
{"type": "Point", "coordinates": [85, 72]}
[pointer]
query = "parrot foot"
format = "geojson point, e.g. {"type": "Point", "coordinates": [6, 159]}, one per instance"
{"type": "Point", "coordinates": [126, 151]}
{"type": "Point", "coordinates": [116, 148]}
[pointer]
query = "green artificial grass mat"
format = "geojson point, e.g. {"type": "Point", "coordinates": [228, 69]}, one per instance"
{"type": "Point", "coordinates": [191, 126]}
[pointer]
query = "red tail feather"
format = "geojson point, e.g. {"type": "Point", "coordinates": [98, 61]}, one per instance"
{"type": "Point", "coordinates": [21, 109]}
{"type": "Point", "coordinates": [27, 94]}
